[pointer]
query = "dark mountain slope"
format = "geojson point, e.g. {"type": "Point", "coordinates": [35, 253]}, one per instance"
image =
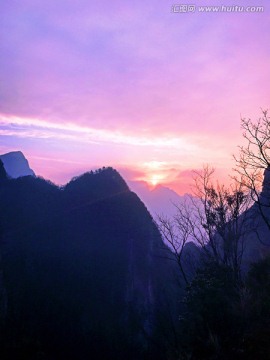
{"type": "Point", "coordinates": [3, 174]}
{"type": "Point", "coordinates": [82, 269]}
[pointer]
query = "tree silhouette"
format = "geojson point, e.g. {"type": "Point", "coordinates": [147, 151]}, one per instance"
{"type": "Point", "coordinates": [214, 218]}
{"type": "Point", "coordinates": [253, 162]}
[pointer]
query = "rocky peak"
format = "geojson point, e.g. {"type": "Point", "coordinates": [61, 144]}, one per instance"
{"type": "Point", "coordinates": [95, 185]}
{"type": "Point", "coordinates": [16, 165]}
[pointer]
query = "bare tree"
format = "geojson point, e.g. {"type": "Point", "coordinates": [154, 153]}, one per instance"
{"type": "Point", "coordinates": [175, 233]}
{"type": "Point", "coordinates": [214, 218]}
{"type": "Point", "coordinates": [253, 162]}
{"type": "Point", "coordinates": [223, 217]}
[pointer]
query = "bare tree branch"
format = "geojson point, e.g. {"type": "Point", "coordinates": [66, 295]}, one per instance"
{"type": "Point", "coordinates": [253, 161]}
{"type": "Point", "coordinates": [213, 218]}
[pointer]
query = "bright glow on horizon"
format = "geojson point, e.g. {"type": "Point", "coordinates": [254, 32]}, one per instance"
{"type": "Point", "coordinates": [156, 179]}
{"type": "Point", "coordinates": [155, 172]}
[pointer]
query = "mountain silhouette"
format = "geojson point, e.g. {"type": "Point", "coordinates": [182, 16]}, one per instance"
{"type": "Point", "coordinates": [16, 164]}
{"type": "Point", "coordinates": [83, 270]}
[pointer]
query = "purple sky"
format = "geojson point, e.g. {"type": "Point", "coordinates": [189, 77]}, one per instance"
{"type": "Point", "coordinates": [153, 93]}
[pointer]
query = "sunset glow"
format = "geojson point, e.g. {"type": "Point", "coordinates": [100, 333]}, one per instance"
{"type": "Point", "coordinates": [151, 92]}
{"type": "Point", "coordinates": [155, 179]}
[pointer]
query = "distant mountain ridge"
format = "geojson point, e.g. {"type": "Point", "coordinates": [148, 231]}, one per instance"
{"type": "Point", "coordinates": [159, 201]}
{"type": "Point", "coordinates": [16, 164]}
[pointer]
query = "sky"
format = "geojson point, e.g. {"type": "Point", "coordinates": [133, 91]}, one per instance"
{"type": "Point", "coordinates": [151, 88]}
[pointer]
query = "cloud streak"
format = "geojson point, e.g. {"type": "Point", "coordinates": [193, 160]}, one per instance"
{"type": "Point", "coordinates": [33, 128]}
